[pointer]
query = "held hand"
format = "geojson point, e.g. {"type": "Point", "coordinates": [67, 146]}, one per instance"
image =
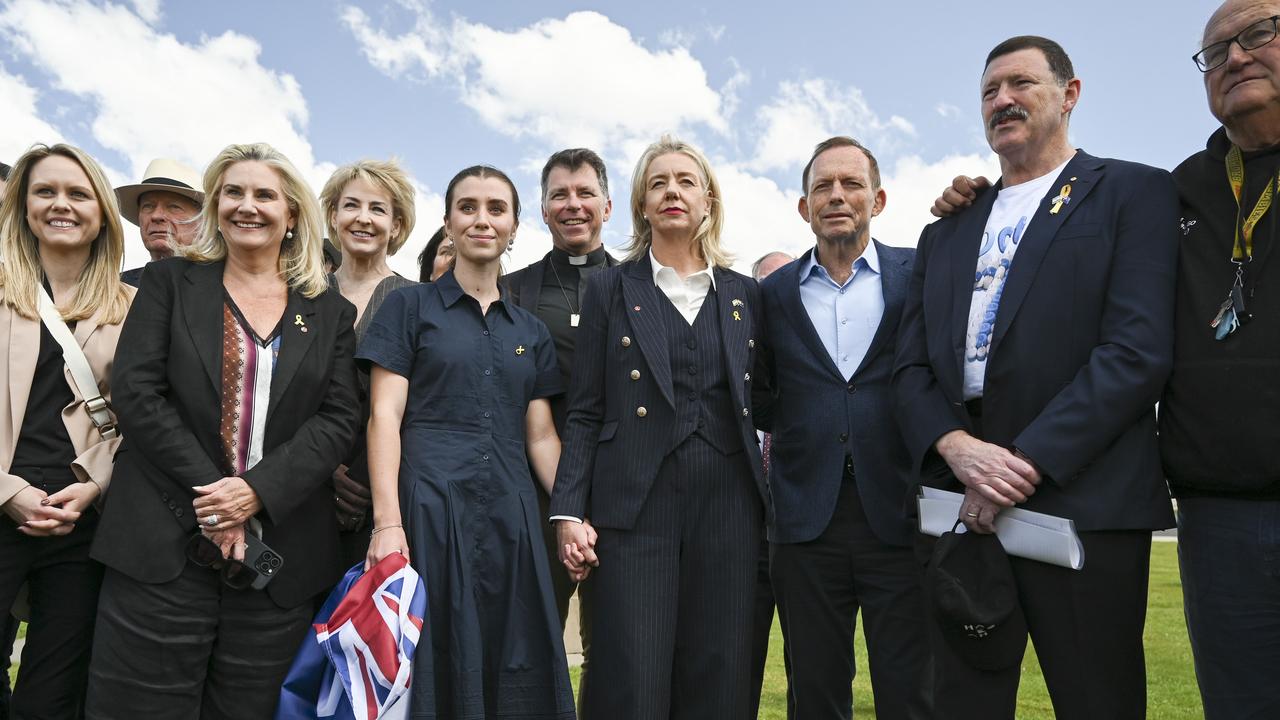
{"type": "Point", "coordinates": [351, 498]}
{"type": "Point", "coordinates": [997, 474]}
{"type": "Point", "coordinates": [76, 496]}
{"type": "Point", "coordinates": [230, 501]}
{"type": "Point", "coordinates": [592, 535]}
{"type": "Point", "coordinates": [35, 517]}
{"type": "Point", "coordinates": [961, 194]}
{"type": "Point", "coordinates": [231, 541]}
{"type": "Point", "coordinates": [384, 543]}
{"type": "Point", "coordinates": [978, 513]}
{"type": "Point", "coordinates": [577, 548]}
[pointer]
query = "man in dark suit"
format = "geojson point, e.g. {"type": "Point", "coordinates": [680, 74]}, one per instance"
{"type": "Point", "coordinates": [838, 472]}
{"type": "Point", "coordinates": [1031, 382]}
{"type": "Point", "coordinates": [575, 206]}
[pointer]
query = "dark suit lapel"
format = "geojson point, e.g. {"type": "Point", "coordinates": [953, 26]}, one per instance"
{"type": "Point", "coordinates": [964, 242]}
{"type": "Point", "coordinates": [894, 276]}
{"type": "Point", "coordinates": [296, 337]}
{"type": "Point", "coordinates": [735, 329]}
{"type": "Point", "coordinates": [1082, 173]}
{"type": "Point", "coordinates": [799, 318]}
{"type": "Point", "coordinates": [531, 285]}
{"type": "Point", "coordinates": [640, 300]}
{"type": "Point", "coordinates": [202, 304]}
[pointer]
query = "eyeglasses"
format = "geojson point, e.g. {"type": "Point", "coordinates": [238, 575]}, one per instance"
{"type": "Point", "coordinates": [204, 552]}
{"type": "Point", "coordinates": [1250, 38]}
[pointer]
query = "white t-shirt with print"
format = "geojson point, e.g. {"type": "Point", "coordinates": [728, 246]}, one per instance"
{"type": "Point", "coordinates": [1010, 215]}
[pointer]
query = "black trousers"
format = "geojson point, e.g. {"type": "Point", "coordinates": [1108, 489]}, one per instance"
{"type": "Point", "coordinates": [1087, 628]}
{"type": "Point", "coordinates": [62, 585]}
{"type": "Point", "coordinates": [674, 595]}
{"type": "Point", "coordinates": [190, 648]}
{"type": "Point", "coordinates": [761, 626]}
{"type": "Point", "coordinates": [820, 586]}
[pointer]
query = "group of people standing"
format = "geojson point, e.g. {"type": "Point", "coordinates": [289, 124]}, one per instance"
{"type": "Point", "coordinates": [682, 445]}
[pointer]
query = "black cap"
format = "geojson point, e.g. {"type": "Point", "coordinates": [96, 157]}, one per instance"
{"type": "Point", "coordinates": [975, 600]}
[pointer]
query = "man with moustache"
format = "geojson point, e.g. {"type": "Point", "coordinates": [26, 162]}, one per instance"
{"type": "Point", "coordinates": [839, 533]}
{"type": "Point", "coordinates": [575, 206]}
{"type": "Point", "coordinates": [1032, 382]}
{"type": "Point", "coordinates": [1220, 407]}
{"type": "Point", "coordinates": [162, 206]}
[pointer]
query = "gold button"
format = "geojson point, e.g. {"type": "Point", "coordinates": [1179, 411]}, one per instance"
{"type": "Point", "coordinates": [744, 412]}
{"type": "Point", "coordinates": [626, 341]}
{"type": "Point", "coordinates": [751, 343]}
{"type": "Point", "coordinates": [641, 412]}
{"type": "Point", "coordinates": [635, 374]}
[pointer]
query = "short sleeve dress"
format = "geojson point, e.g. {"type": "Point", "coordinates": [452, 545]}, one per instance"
{"type": "Point", "coordinates": [468, 501]}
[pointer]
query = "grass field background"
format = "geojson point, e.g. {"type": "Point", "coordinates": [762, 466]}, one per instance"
{"type": "Point", "coordinates": [1171, 682]}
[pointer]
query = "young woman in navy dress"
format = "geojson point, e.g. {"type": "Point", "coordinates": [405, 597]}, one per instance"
{"type": "Point", "coordinates": [460, 382]}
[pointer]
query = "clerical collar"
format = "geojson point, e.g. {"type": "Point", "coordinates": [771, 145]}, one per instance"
{"type": "Point", "coordinates": [595, 257]}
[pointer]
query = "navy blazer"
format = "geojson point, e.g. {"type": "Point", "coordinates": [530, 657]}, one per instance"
{"type": "Point", "coordinates": [619, 429]}
{"type": "Point", "coordinates": [819, 416]}
{"type": "Point", "coordinates": [1082, 344]}
{"type": "Point", "coordinates": [167, 385]}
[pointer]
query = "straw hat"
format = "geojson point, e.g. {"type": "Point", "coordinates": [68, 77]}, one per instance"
{"type": "Point", "coordinates": [162, 174]}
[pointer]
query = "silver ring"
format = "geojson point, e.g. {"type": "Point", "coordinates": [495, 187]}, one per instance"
{"type": "Point", "coordinates": [211, 520]}
{"type": "Point", "coordinates": [972, 515]}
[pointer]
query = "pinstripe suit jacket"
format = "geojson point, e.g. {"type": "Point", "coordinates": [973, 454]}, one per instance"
{"type": "Point", "coordinates": [621, 417]}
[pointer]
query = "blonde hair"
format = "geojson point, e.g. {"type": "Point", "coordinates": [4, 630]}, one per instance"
{"type": "Point", "coordinates": [384, 174]}
{"type": "Point", "coordinates": [301, 258]}
{"type": "Point", "coordinates": [707, 237]}
{"type": "Point", "coordinates": [99, 288]}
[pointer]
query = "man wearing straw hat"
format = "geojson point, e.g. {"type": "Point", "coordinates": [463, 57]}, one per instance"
{"type": "Point", "coordinates": [162, 206]}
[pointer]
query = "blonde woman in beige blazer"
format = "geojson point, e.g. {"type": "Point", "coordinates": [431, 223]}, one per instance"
{"type": "Point", "coordinates": [60, 228]}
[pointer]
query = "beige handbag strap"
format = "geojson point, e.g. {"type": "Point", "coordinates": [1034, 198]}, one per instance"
{"type": "Point", "coordinates": [95, 405]}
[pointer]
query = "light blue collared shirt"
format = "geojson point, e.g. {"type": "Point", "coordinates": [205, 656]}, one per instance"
{"type": "Point", "coordinates": [845, 316]}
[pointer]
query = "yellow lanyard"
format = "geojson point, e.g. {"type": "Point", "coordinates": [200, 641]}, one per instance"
{"type": "Point", "coordinates": [1241, 252]}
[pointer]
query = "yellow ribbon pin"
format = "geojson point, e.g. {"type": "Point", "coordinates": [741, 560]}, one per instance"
{"type": "Point", "coordinates": [297, 320]}
{"type": "Point", "coordinates": [520, 350]}
{"type": "Point", "coordinates": [1064, 197]}
{"type": "Point", "coordinates": [736, 316]}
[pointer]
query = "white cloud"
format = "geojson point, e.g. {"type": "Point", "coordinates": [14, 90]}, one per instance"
{"type": "Point", "coordinates": [760, 217]}
{"type": "Point", "coordinates": [807, 112]}
{"type": "Point", "coordinates": [148, 10]}
{"type": "Point", "coordinates": [947, 110]}
{"type": "Point", "coordinates": [911, 187]}
{"type": "Point", "coordinates": [20, 122]}
{"type": "Point", "coordinates": [622, 92]}
{"type": "Point", "coordinates": [228, 95]}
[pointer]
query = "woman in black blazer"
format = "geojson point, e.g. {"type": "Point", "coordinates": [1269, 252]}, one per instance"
{"type": "Point", "coordinates": [660, 452]}
{"type": "Point", "coordinates": [235, 388]}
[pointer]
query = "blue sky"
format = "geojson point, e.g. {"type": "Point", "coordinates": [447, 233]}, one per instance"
{"type": "Point", "coordinates": [442, 85]}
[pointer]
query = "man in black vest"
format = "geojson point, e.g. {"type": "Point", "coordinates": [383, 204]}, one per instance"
{"type": "Point", "coordinates": [575, 206]}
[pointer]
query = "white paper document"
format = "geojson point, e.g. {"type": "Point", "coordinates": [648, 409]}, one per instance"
{"type": "Point", "coordinates": [1023, 533]}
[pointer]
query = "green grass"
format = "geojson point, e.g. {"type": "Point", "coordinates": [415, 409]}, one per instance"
{"type": "Point", "coordinates": [1171, 682]}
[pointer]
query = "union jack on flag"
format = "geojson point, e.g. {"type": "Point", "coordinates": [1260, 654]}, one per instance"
{"type": "Point", "coordinates": [358, 664]}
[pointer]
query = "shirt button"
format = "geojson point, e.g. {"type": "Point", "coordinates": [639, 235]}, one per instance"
{"type": "Point", "coordinates": [626, 341]}
{"type": "Point", "coordinates": [178, 512]}
{"type": "Point", "coordinates": [485, 458]}
{"type": "Point", "coordinates": [844, 321]}
{"type": "Point", "coordinates": [748, 377]}
{"type": "Point", "coordinates": [488, 372]}
{"type": "Point", "coordinates": [635, 374]}
{"type": "Point", "coordinates": [693, 395]}
{"type": "Point", "coordinates": [844, 358]}
{"type": "Point", "coordinates": [844, 437]}
{"type": "Point", "coordinates": [486, 332]}
{"type": "Point", "coordinates": [852, 388]}
{"type": "Point", "coordinates": [841, 291]}
{"type": "Point", "coordinates": [693, 344]}
{"type": "Point", "coordinates": [745, 412]}
{"type": "Point", "coordinates": [486, 414]}
{"type": "Point", "coordinates": [751, 343]}
{"type": "Point", "coordinates": [641, 412]}
{"type": "Point", "coordinates": [693, 369]}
